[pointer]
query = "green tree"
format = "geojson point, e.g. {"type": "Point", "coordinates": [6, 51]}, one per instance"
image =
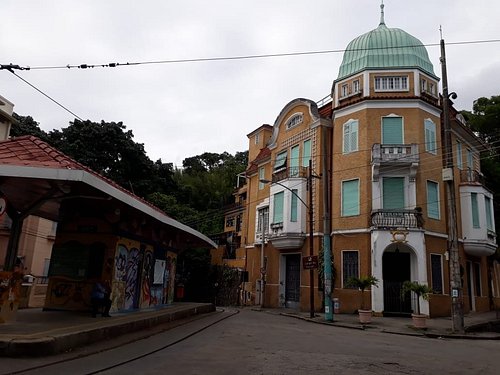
{"type": "Point", "coordinates": [484, 120]}
{"type": "Point", "coordinates": [109, 149]}
{"type": "Point", "coordinates": [27, 126]}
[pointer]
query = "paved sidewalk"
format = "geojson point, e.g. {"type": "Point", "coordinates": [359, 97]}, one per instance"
{"type": "Point", "coordinates": [477, 325]}
{"type": "Point", "coordinates": [38, 333]}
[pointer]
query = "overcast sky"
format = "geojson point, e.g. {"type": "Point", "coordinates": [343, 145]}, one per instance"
{"type": "Point", "coordinates": [184, 109]}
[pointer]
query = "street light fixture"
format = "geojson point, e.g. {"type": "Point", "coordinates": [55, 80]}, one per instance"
{"type": "Point", "coordinates": [310, 209]}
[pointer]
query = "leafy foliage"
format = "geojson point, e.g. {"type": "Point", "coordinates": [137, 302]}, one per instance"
{"type": "Point", "coordinates": [421, 290]}
{"type": "Point", "coordinates": [195, 195]}
{"type": "Point", "coordinates": [362, 283]}
{"type": "Point", "coordinates": [484, 120]}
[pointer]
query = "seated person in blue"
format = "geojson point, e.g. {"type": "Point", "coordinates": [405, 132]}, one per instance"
{"type": "Point", "coordinates": [100, 298]}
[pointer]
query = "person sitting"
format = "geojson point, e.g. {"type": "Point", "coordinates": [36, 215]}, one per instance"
{"type": "Point", "coordinates": [100, 299]}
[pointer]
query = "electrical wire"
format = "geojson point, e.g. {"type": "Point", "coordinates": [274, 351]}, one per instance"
{"type": "Point", "coordinates": [244, 57]}
{"type": "Point", "coordinates": [46, 95]}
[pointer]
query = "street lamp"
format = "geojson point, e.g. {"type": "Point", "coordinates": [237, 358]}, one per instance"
{"type": "Point", "coordinates": [310, 209]}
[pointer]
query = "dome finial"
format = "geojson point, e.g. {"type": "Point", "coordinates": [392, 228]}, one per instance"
{"type": "Point", "coordinates": [382, 21]}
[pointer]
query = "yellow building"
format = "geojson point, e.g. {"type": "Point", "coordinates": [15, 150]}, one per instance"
{"type": "Point", "coordinates": [378, 189]}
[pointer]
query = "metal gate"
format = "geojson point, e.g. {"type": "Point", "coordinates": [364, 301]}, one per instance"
{"type": "Point", "coordinates": [292, 281]}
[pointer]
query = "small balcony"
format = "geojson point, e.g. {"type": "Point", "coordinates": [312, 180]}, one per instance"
{"type": "Point", "coordinates": [292, 172]}
{"type": "Point", "coordinates": [471, 176]}
{"type": "Point", "coordinates": [395, 154]}
{"type": "Point", "coordinates": [285, 240]}
{"type": "Point", "coordinates": [396, 219]}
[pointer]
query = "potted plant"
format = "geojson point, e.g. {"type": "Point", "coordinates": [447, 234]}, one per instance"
{"type": "Point", "coordinates": [363, 282]}
{"type": "Point", "coordinates": [422, 291]}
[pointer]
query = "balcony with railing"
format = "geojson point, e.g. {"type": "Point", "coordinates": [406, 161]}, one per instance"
{"type": "Point", "coordinates": [394, 219]}
{"type": "Point", "coordinates": [292, 172]}
{"type": "Point", "coordinates": [283, 239]}
{"type": "Point", "coordinates": [471, 176]}
{"type": "Point", "coordinates": [395, 154]}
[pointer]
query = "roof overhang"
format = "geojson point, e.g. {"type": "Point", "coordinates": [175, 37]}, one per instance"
{"type": "Point", "coordinates": [40, 191]}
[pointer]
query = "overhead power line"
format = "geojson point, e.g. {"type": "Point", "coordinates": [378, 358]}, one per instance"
{"type": "Point", "coordinates": [46, 95]}
{"type": "Point", "coordinates": [229, 58]}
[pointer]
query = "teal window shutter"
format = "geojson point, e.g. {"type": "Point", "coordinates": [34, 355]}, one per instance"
{"type": "Point", "coordinates": [392, 130]}
{"type": "Point", "coordinates": [278, 207]}
{"type": "Point", "coordinates": [306, 153]}
{"type": "Point", "coordinates": [350, 198]}
{"type": "Point", "coordinates": [460, 163]}
{"type": "Point", "coordinates": [294, 161]}
{"type": "Point", "coordinates": [293, 205]}
{"type": "Point", "coordinates": [430, 136]}
{"type": "Point", "coordinates": [393, 193]}
{"type": "Point", "coordinates": [475, 210]}
{"type": "Point", "coordinates": [489, 215]}
{"type": "Point", "coordinates": [280, 161]}
{"type": "Point", "coordinates": [350, 136]}
{"type": "Point", "coordinates": [432, 200]}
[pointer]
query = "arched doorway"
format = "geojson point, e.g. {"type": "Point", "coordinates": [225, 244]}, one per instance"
{"type": "Point", "coordinates": [396, 269]}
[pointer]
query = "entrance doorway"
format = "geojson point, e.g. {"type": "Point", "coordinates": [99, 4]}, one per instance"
{"type": "Point", "coordinates": [292, 281]}
{"type": "Point", "coordinates": [396, 270]}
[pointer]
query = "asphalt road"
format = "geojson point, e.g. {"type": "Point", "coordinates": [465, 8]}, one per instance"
{"type": "Point", "coordinates": [253, 342]}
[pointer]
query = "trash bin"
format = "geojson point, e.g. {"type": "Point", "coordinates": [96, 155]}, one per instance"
{"type": "Point", "coordinates": [336, 306]}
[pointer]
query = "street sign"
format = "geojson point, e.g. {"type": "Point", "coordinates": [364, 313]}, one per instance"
{"type": "Point", "coordinates": [310, 262]}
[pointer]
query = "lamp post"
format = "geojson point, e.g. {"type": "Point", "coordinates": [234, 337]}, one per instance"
{"type": "Point", "coordinates": [310, 209]}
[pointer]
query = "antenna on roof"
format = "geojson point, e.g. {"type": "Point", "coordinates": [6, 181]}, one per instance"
{"type": "Point", "coordinates": [382, 21]}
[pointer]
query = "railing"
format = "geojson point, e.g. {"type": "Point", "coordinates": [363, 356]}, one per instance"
{"type": "Point", "coordinates": [283, 174]}
{"type": "Point", "coordinates": [397, 219]}
{"type": "Point", "coordinates": [405, 154]}
{"type": "Point", "coordinates": [471, 175]}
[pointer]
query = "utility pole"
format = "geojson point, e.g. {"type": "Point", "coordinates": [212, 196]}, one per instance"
{"type": "Point", "coordinates": [311, 238]}
{"type": "Point", "coordinates": [327, 248]}
{"type": "Point", "coordinates": [457, 308]}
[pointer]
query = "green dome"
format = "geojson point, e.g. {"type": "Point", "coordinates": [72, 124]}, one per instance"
{"type": "Point", "coordinates": [384, 48]}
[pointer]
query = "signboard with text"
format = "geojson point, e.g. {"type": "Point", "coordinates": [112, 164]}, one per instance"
{"type": "Point", "coordinates": [310, 262]}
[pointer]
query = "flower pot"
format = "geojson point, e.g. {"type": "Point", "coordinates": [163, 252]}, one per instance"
{"type": "Point", "coordinates": [419, 320]}
{"type": "Point", "coordinates": [365, 316]}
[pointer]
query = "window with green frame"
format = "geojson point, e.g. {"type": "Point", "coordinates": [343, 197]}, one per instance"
{"type": "Point", "coordinates": [280, 162]}
{"type": "Point", "coordinates": [293, 205]}
{"type": "Point", "coordinates": [489, 214]}
{"type": "Point", "coordinates": [294, 161]}
{"type": "Point", "coordinates": [433, 200]}
{"type": "Point", "coordinates": [350, 198]}
{"type": "Point", "coordinates": [392, 130]}
{"type": "Point", "coordinates": [430, 136]}
{"type": "Point", "coordinates": [278, 207]}
{"type": "Point", "coordinates": [350, 136]}
{"type": "Point", "coordinates": [475, 210]}
{"type": "Point", "coordinates": [306, 153]}
{"type": "Point", "coordinates": [393, 192]}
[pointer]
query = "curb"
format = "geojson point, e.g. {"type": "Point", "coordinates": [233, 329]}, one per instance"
{"type": "Point", "coordinates": [422, 334]}
{"type": "Point", "coordinates": [53, 344]}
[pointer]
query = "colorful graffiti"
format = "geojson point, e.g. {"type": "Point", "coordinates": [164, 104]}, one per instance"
{"type": "Point", "coordinates": [147, 268]}
{"type": "Point", "coordinates": [170, 276]}
{"type": "Point", "coordinates": [127, 263]}
{"type": "Point", "coordinates": [69, 294]}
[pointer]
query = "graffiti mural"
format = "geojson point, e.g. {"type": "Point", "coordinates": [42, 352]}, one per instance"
{"type": "Point", "coordinates": [69, 294]}
{"type": "Point", "coordinates": [147, 299]}
{"type": "Point", "coordinates": [127, 261]}
{"type": "Point", "coordinates": [170, 276]}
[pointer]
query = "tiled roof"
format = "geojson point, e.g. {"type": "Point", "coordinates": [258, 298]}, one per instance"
{"type": "Point", "coordinates": [30, 151]}
{"type": "Point", "coordinates": [264, 154]}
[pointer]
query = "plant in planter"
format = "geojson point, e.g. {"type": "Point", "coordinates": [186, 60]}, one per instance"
{"type": "Point", "coordinates": [363, 282]}
{"type": "Point", "coordinates": [422, 291]}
